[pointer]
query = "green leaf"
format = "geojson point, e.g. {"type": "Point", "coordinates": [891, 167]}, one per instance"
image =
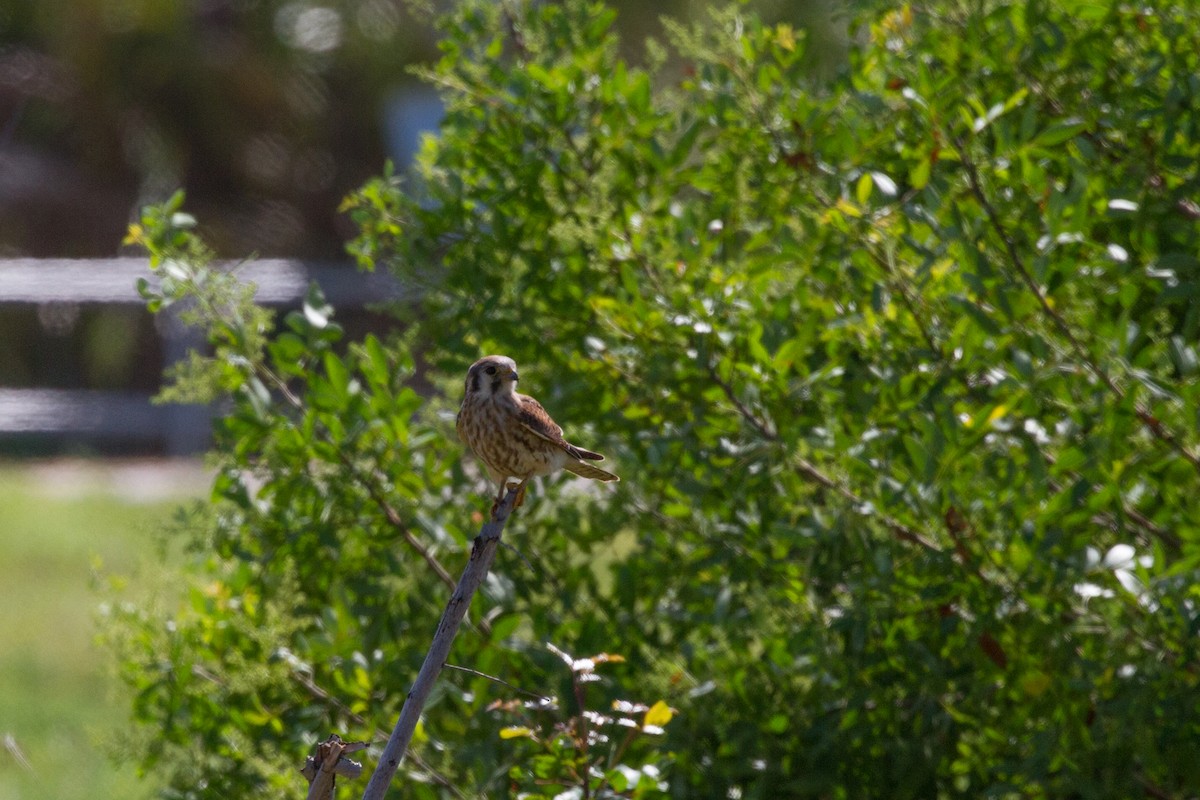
{"type": "Point", "coordinates": [376, 367]}
{"type": "Point", "coordinates": [918, 176]}
{"type": "Point", "coordinates": [1059, 132]}
{"type": "Point", "coordinates": [778, 723]}
{"type": "Point", "coordinates": [338, 375]}
{"type": "Point", "coordinates": [862, 190]}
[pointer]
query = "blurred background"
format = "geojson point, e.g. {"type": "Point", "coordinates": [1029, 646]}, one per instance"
{"type": "Point", "coordinates": [267, 113]}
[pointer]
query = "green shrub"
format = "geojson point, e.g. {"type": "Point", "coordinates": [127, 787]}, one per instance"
{"type": "Point", "coordinates": [899, 372]}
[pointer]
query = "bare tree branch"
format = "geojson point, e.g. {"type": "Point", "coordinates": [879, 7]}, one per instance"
{"type": "Point", "coordinates": [539, 697]}
{"type": "Point", "coordinates": [759, 425]}
{"type": "Point", "coordinates": [901, 531]}
{"type": "Point", "coordinates": [329, 762]}
{"type": "Point", "coordinates": [483, 552]}
{"type": "Point", "coordinates": [393, 518]}
{"type": "Point", "coordinates": [377, 734]}
{"type": "Point", "coordinates": [1152, 423]}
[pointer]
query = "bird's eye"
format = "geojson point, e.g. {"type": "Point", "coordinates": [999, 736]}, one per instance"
{"type": "Point", "coordinates": [490, 370]}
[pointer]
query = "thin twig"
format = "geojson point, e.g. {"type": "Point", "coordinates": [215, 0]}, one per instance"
{"type": "Point", "coordinates": [909, 301]}
{"type": "Point", "coordinates": [746, 413]}
{"type": "Point", "coordinates": [393, 517]}
{"type": "Point", "coordinates": [808, 470]}
{"type": "Point", "coordinates": [1018, 263]}
{"type": "Point", "coordinates": [583, 737]}
{"type": "Point", "coordinates": [615, 758]}
{"type": "Point", "coordinates": [1156, 426]}
{"type": "Point", "coordinates": [539, 697]}
{"type": "Point", "coordinates": [1168, 538]}
{"type": "Point", "coordinates": [1152, 423]}
{"type": "Point", "coordinates": [371, 486]}
{"type": "Point", "coordinates": [1156, 531]}
{"type": "Point", "coordinates": [1153, 789]}
{"type": "Point", "coordinates": [514, 32]}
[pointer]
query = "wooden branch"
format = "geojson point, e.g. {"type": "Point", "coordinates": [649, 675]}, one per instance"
{"type": "Point", "coordinates": [483, 552]}
{"type": "Point", "coordinates": [370, 485]}
{"type": "Point", "coordinates": [1156, 427]}
{"type": "Point", "coordinates": [393, 518]}
{"type": "Point", "coordinates": [759, 425]}
{"type": "Point", "coordinates": [377, 734]}
{"type": "Point", "coordinates": [809, 471]}
{"type": "Point", "coordinates": [328, 763]}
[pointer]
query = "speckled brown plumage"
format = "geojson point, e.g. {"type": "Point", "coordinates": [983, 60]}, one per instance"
{"type": "Point", "coordinates": [511, 434]}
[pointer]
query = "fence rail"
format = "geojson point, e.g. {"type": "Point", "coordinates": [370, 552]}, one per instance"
{"type": "Point", "coordinates": [280, 281]}
{"type": "Point", "coordinates": [130, 417]}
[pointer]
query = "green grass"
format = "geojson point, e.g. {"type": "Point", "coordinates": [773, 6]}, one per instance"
{"type": "Point", "coordinates": [56, 700]}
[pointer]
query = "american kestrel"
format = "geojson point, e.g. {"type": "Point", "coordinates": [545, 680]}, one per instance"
{"type": "Point", "coordinates": [512, 434]}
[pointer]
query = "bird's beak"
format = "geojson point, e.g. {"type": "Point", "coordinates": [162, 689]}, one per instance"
{"type": "Point", "coordinates": [510, 374]}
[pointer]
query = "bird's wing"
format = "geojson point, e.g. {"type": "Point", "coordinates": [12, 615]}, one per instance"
{"type": "Point", "coordinates": [460, 428]}
{"type": "Point", "coordinates": [535, 420]}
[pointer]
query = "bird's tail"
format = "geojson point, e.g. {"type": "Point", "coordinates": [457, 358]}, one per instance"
{"type": "Point", "coordinates": [583, 455]}
{"type": "Point", "coordinates": [588, 471]}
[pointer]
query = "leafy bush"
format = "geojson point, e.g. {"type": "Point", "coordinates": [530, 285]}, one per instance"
{"type": "Point", "coordinates": [899, 372]}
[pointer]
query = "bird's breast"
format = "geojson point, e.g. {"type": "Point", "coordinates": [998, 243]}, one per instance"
{"type": "Point", "coordinates": [491, 427]}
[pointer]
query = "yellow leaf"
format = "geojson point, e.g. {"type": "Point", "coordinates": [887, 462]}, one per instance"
{"type": "Point", "coordinates": [785, 37]}
{"type": "Point", "coordinates": [659, 714]}
{"type": "Point", "coordinates": [848, 208]}
{"type": "Point", "coordinates": [997, 412]}
{"type": "Point", "coordinates": [516, 732]}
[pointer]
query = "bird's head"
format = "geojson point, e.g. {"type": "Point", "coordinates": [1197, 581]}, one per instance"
{"type": "Point", "coordinates": [492, 376]}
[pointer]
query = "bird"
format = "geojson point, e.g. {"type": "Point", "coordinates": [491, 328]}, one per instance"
{"type": "Point", "coordinates": [512, 435]}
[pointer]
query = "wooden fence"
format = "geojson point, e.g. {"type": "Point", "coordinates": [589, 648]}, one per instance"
{"type": "Point", "coordinates": [127, 417]}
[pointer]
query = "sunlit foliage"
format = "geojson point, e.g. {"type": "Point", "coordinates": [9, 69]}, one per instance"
{"type": "Point", "coordinates": [898, 370]}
